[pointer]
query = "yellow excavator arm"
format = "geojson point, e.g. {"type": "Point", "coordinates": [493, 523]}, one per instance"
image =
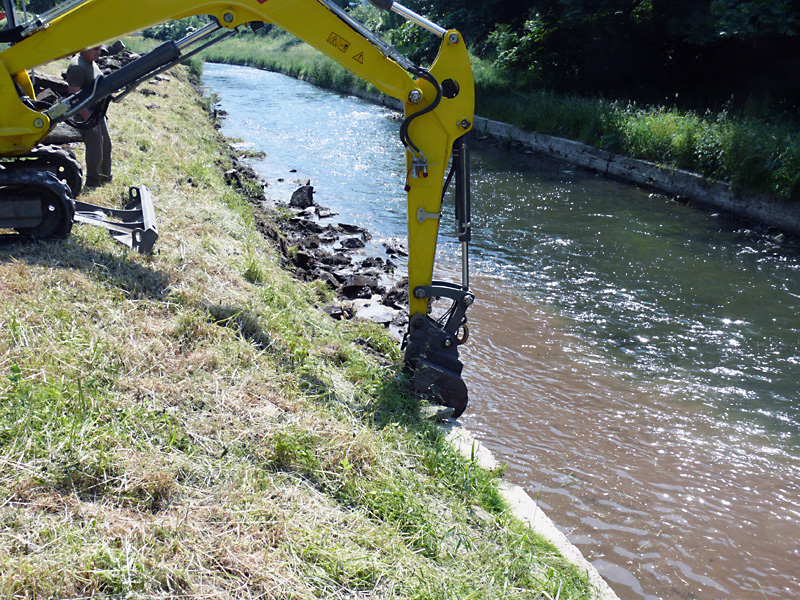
{"type": "Point", "coordinates": [439, 108]}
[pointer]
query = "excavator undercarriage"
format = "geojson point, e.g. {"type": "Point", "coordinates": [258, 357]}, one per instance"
{"type": "Point", "coordinates": [38, 194]}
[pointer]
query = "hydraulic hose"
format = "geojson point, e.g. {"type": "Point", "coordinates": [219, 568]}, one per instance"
{"type": "Point", "coordinates": [404, 137]}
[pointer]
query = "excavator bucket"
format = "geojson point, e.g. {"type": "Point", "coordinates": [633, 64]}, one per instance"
{"type": "Point", "coordinates": [133, 226]}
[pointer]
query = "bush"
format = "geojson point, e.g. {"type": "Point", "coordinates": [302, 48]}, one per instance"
{"type": "Point", "coordinates": [175, 30]}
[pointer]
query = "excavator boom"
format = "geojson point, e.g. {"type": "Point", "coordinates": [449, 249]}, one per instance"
{"type": "Point", "coordinates": [439, 108]}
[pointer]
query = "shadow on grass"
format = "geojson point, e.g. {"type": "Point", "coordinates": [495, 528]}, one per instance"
{"type": "Point", "coordinates": [137, 281]}
{"type": "Point", "coordinates": [246, 323]}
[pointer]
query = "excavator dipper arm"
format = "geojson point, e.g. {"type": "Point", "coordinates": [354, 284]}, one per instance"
{"type": "Point", "coordinates": [439, 108]}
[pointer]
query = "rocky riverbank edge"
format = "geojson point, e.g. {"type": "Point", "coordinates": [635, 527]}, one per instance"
{"type": "Point", "coordinates": [314, 246]}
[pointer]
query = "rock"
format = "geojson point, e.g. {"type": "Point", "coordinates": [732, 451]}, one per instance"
{"type": "Point", "coordinates": [351, 229]}
{"type": "Point", "coordinates": [373, 311]}
{"type": "Point", "coordinates": [110, 64]}
{"type": "Point", "coordinates": [57, 85]}
{"type": "Point", "coordinates": [63, 134]}
{"type": "Point", "coordinates": [372, 262]}
{"type": "Point", "coordinates": [327, 277]}
{"type": "Point", "coordinates": [354, 292]}
{"type": "Point", "coordinates": [358, 285]}
{"type": "Point", "coordinates": [333, 260]}
{"type": "Point", "coordinates": [400, 319]}
{"type": "Point", "coordinates": [305, 226]}
{"type": "Point", "coordinates": [302, 197]}
{"type": "Point", "coordinates": [352, 243]}
{"type": "Point", "coordinates": [360, 280]}
{"type": "Point", "coordinates": [334, 311]}
{"type": "Point", "coordinates": [397, 297]}
{"type": "Point", "coordinates": [303, 260]}
{"type": "Point", "coordinates": [114, 48]}
{"type": "Point", "coordinates": [393, 249]}
{"type": "Point", "coordinates": [311, 241]}
{"type": "Point", "coordinates": [47, 96]}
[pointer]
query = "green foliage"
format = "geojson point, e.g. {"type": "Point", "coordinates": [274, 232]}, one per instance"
{"type": "Point", "coordinates": [175, 30]}
{"type": "Point", "coordinates": [747, 19]}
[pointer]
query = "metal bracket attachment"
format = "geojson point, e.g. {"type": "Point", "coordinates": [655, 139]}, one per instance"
{"type": "Point", "coordinates": [134, 226]}
{"type": "Point", "coordinates": [462, 300]}
{"type": "Point", "coordinates": [423, 215]}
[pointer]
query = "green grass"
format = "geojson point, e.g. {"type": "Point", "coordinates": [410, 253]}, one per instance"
{"type": "Point", "coordinates": [190, 424]}
{"type": "Point", "coordinates": [747, 150]}
{"type": "Point", "coordinates": [287, 55]}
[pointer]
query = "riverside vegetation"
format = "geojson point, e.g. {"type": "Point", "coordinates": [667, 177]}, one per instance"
{"type": "Point", "coordinates": [749, 147]}
{"type": "Point", "coordinates": [189, 424]}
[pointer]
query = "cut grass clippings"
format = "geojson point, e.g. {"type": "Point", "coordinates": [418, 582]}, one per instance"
{"type": "Point", "coordinates": [190, 425]}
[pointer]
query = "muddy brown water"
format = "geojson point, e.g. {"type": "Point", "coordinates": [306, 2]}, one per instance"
{"type": "Point", "coordinates": [633, 360]}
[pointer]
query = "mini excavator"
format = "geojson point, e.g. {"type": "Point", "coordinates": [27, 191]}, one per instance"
{"type": "Point", "coordinates": [40, 184]}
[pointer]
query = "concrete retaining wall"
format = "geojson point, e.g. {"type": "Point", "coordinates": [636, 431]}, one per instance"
{"type": "Point", "coordinates": [686, 185]}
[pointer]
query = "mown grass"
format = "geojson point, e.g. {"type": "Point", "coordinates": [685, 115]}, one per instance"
{"type": "Point", "coordinates": [747, 150]}
{"type": "Point", "coordinates": [190, 425]}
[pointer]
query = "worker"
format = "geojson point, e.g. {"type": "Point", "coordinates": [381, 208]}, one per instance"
{"type": "Point", "coordinates": [81, 74]}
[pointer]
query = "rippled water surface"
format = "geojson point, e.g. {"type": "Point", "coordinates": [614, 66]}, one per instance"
{"type": "Point", "coordinates": [634, 360]}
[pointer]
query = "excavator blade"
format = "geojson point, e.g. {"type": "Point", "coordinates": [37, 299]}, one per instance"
{"type": "Point", "coordinates": [134, 226]}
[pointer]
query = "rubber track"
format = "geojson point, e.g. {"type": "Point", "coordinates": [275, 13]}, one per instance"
{"type": "Point", "coordinates": [50, 156]}
{"type": "Point", "coordinates": [47, 184]}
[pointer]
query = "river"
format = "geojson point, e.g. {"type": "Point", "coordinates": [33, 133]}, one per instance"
{"type": "Point", "coordinates": [632, 359]}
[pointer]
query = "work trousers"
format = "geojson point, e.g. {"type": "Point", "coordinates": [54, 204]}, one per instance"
{"type": "Point", "coordinates": [98, 153]}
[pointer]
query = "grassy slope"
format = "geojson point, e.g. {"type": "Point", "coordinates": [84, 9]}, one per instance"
{"type": "Point", "coordinates": [189, 424]}
{"type": "Point", "coordinates": [749, 152]}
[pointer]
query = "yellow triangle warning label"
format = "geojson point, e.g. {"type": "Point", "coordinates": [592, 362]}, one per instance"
{"type": "Point", "coordinates": [359, 58]}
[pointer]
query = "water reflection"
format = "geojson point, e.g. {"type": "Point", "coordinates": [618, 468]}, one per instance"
{"type": "Point", "coordinates": [632, 359]}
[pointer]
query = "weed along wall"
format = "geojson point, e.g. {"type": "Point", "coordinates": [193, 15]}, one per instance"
{"type": "Point", "coordinates": [190, 423]}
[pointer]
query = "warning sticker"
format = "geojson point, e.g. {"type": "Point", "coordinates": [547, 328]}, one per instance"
{"type": "Point", "coordinates": [359, 58]}
{"type": "Point", "coordinates": [339, 42]}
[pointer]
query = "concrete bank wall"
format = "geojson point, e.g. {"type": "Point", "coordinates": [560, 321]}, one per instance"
{"type": "Point", "coordinates": [760, 208]}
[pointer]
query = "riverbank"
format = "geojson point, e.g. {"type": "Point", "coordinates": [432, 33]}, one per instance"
{"type": "Point", "coordinates": [657, 142]}
{"type": "Point", "coordinates": [758, 208]}
{"type": "Point", "coordinates": [192, 424]}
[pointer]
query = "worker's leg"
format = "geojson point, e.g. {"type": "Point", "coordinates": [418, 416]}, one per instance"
{"type": "Point", "coordinates": [105, 165]}
{"type": "Point", "coordinates": [93, 138]}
